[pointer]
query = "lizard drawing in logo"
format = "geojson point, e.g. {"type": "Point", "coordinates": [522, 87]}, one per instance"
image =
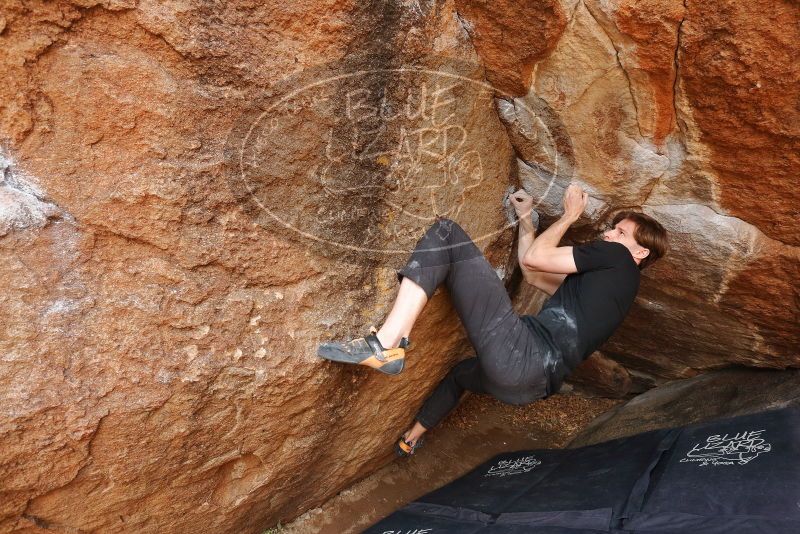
{"type": "Point", "coordinates": [513, 467]}
{"type": "Point", "coordinates": [726, 450]}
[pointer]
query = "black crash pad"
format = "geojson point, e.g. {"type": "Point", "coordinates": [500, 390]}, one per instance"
{"type": "Point", "coordinates": [733, 475]}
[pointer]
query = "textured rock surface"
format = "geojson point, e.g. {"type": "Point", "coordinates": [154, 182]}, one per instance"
{"type": "Point", "coordinates": [739, 79]}
{"type": "Point", "coordinates": [512, 36]}
{"type": "Point", "coordinates": [489, 425]}
{"type": "Point", "coordinates": [157, 369]}
{"type": "Point", "coordinates": [707, 146]}
{"type": "Point", "coordinates": [716, 395]}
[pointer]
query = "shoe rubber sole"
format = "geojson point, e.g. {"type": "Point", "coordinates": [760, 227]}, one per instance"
{"type": "Point", "coordinates": [361, 352]}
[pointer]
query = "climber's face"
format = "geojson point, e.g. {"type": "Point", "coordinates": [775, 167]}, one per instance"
{"type": "Point", "coordinates": [623, 233]}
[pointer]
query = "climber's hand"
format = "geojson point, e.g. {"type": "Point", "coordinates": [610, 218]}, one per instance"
{"type": "Point", "coordinates": [575, 200]}
{"type": "Point", "coordinates": [522, 202]}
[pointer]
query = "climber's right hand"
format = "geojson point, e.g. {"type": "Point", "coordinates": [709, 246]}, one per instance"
{"type": "Point", "coordinates": [575, 201]}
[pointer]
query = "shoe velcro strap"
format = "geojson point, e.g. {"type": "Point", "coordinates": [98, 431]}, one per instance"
{"type": "Point", "coordinates": [375, 344]}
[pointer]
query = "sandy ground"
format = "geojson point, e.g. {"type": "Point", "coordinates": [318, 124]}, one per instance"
{"type": "Point", "coordinates": [478, 429]}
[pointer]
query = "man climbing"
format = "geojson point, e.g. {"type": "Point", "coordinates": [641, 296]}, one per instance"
{"type": "Point", "coordinates": [519, 359]}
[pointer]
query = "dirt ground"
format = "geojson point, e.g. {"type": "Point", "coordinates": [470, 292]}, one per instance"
{"type": "Point", "coordinates": [478, 429]}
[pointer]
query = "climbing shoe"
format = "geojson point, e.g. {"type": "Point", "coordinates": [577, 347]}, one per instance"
{"type": "Point", "coordinates": [367, 351]}
{"type": "Point", "coordinates": [403, 448]}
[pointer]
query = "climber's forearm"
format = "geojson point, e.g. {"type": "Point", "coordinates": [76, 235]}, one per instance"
{"type": "Point", "coordinates": [551, 237]}
{"type": "Point", "coordinates": [527, 234]}
{"type": "Point", "coordinates": [544, 281]}
{"type": "Point", "coordinates": [544, 254]}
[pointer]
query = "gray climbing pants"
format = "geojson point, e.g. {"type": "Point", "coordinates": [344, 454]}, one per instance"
{"type": "Point", "coordinates": [510, 355]}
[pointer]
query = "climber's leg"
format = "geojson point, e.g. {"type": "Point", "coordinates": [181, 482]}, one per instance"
{"type": "Point", "coordinates": [442, 245]}
{"type": "Point", "coordinates": [411, 298]}
{"type": "Point", "coordinates": [509, 353]}
{"type": "Point", "coordinates": [446, 254]}
{"type": "Point", "coordinates": [464, 376]}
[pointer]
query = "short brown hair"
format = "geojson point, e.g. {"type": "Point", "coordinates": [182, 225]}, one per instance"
{"type": "Point", "coordinates": [649, 234]}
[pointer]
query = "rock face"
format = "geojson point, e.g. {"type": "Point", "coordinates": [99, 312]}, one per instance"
{"type": "Point", "coordinates": [512, 36]}
{"type": "Point", "coordinates": [158, 361]}
{"type": "Point", "coordinates": [716, 395]}
{"type": "Point", "coordinates": [193, 195]}
{"type": "Point", "coordinates": [663, 116]}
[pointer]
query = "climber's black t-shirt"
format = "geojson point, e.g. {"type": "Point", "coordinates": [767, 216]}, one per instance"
{"type": "Point", "coordinates": [588, 306]}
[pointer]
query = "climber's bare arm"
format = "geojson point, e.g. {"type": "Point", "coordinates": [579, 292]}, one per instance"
{"type": "Point", "coordinates": [544, 254]}
{"type": "Point", "coordinates": [547, 282]}
{"type": "Point", "coordinates": [544, 264]}
{"type": "Point", "coordinates": [550, 259]}
{"type": "Point", "coordinates": [544, 281]}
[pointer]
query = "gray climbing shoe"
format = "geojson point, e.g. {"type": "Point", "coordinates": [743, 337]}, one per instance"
{"type": "Point", "coordinates": [367, 351]}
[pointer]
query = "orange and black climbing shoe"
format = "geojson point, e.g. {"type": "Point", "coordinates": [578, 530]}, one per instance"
{"type": "Point", "coordinates": [367, 351]}
{"type": "Point", "coordinates": [404, 448]}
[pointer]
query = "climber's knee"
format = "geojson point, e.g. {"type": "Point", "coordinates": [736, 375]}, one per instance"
{"type": "Point", "coordinates": [448, 230]}
{"type": "Point", "coordinates": [455, 233]}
